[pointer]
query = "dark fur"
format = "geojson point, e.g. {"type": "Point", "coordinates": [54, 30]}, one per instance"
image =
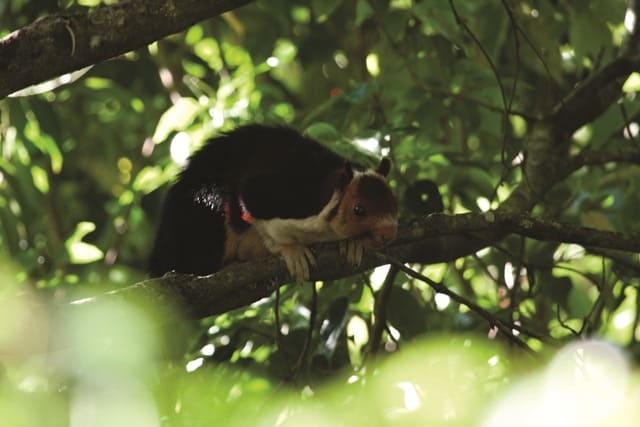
{"type": "Point", "coordinates": [375, 192]}
{"type": "Point", "coordinates": [269, 171]}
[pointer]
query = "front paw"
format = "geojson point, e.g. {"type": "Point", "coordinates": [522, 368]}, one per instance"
{"type": "Point", "coordinates": [353, 249]}
{"type": "Point", "coordinates": [297, 258]}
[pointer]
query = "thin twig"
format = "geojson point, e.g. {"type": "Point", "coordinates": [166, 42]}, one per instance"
{"type": "Point", "coordinates": [595, 313]}
{"type": "Point", "coordinates": [636, 320]}
{"type": "Point", "coordinates": [536, 52]}
{"type": "Point", "coordinates": [439, 91]}
{"type": "Point", "coordinates": [509, 104]}
{"type": "Point", "coordinates": [465, 98]}
{"type": "Point", "coordinates": [625, 153]}
{"type": "Point", "coordinates": [563, 323]}
{"type": "Point", "coordinates": [278, 331]}
{"type": "Point", "coordinates": [506, 329]}
{"type": "Point", "coordinates": [494, 69]}
{"type": "Point", "coordinates": [516, 41]}
{"type": "Point", "coordinates": [486, 55]}
{"type": "Point", "coordinates": [627, 123]}
{"type": "Point", "coordinates": [304, 354]}
{"type": "Point", "coordinates": [380, 310]}
{"type": "Point", "coordinates": [391, 337]}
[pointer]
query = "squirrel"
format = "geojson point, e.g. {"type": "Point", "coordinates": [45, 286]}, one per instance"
{"type": "Point", "coordinates": [258, 190]}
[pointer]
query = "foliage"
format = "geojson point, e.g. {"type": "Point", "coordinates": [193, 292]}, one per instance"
{"type": "Point", "coordinates": [449, 89]}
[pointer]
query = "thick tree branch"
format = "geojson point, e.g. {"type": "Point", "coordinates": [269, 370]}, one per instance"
{"type": "Point", "coordinates": [59, 44]}
{"type": "Point", "coordinates": [627, 154]}
{"type": "Point", "coordinates": [547, 142]}
{"type": "Point", "coordinates": [546, 162]}
{"type": "Point", "coordinates": [524, 225]}
{"type": "Point", "coordinates": [594, 96]}
{"type": "Point", "coordinates": [437, 238]}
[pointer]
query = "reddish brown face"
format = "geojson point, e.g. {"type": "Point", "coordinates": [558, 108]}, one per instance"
{"type": "Point", "coordinates": [368, 209]}
{"type": "Point", "coordinates": [383, 234]}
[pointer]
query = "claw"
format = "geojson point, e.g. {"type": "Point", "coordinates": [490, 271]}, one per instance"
{"type": "Point", "coordinates": [353, 249]}
{"type": "Point", "coordinates": [309, 255]}
{"type": "Point", "coordinates": [297, 258]}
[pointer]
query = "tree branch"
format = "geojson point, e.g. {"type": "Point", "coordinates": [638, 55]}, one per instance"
{"type": "Point", "coordinates": [592, 98]}
{"type": "Point", "coordinates": [436, 238]}
{"type": "Point", "coordinates": [626, 153]}
{"type": "Point", "coordinates": [62, 43]}
{"type": "Point", "coordinates": [379, 323]}
{"type": "Point", "coordinates": [505, 327]}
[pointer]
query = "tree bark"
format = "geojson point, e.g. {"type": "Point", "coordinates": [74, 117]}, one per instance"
{"type": "Point", "coordinates": [59, 44]}
{"type": "Point", "coordinates": [433, 239]}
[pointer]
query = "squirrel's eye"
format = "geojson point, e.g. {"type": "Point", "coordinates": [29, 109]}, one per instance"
{"type": "Point", "coordinates": [359, 210]}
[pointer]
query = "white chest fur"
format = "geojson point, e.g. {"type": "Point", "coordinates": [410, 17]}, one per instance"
{"type": "Point", "coordinates": [304, 231]}
{"type": "Point", "coordinates": [296, 231]}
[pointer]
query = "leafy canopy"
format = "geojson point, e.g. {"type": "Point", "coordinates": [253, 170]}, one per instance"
{"type": "Point", "coordinates": [452, 91]}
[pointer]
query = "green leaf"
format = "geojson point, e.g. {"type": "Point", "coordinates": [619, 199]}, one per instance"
{"type": "Point", "coordinates": [322, 9]}
{"type": "Point", "coordinates": [363, 11]}
{"type": "Point", "coordinates": [580, 303]}
{"type": "Point", "coordinates": [545, 43]}
{"type": "Point", "coordinates": [149, 179]}
{"type": "Point", "coordinates": [40, 179]}
{"type": "Point", "coordinates": [323, 132]}
{"type": "Point", "coordinates": [84, 253]}
{"type": "Point", "coordinates": [632, 84]}
{"type": "Point", "coordinates": [49, 146]}
{"type": "Point", "coordinates": [473, 184]}
{"type": "Point", "coordinates": [44, 143]}
{"type": "Point", "coordinates": [611, 122]}
{"type": "Point", "coordinates": [177, 117]}
{"type": "Point", "coordinates": [209, 50]}
{"type": "Point", "coordinates": [285, 50]}
{"type": "Point", "coordinates": [81, 252]}
{"type": "Point", "coordinates": [6, 167]}
{"type": "Point", "coordinates": [405, 313]}
{"type": "Point", "coordinates": [596, 219]}
{"type": "Point", "coordinates": [588, 33]}
{"type": "Point", "coordinates": [98, 83]}
{"type": "Point", "coordinates": [9, 226]}
{"type": "Point", "coordinates": [394, 23]}
{"type": "Point", "coordinates": [332, 326]}
{"type": "Point", "coordinates": [194, 34]}
{"type": "Point", "coordinates": [437, 18]}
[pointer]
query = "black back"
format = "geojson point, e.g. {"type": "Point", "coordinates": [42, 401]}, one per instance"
{"type": "Point", "coordinates": [268, 171]}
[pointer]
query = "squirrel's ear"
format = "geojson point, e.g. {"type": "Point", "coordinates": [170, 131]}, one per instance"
{"type": "Point", "coordinates": [384, 167]}
{"type": "Point", "coordinates": [346, 175]}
